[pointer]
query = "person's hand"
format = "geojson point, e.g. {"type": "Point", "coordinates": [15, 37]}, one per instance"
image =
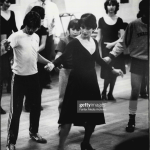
{"type": "Point", "coordinates": [108, 45]}
{"type": "Point", "coordinates": [117, 72]}
{"type": "Point", "coordinates": [107, 59]}
{"type": "Point", "coordinates": [49, 66]}
{"type": "Point", "coordinates": [5, 46]}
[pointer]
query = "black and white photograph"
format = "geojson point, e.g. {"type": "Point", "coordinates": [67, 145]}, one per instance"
{"type": "Point", "coordinates": [74, 75]}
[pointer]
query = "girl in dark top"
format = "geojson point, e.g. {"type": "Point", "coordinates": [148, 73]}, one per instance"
{"type": "Point", "coordinates": [8, 25]}
{"type": "Point", "coordinates": [109, 27]}
{"type": "Point", "coordinates": [42, 33]}
{"type": "Point", "coordinates": [82, 83]}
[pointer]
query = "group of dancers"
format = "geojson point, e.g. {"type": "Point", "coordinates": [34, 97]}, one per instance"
{"type": "Point", "coordinates": [77, 53]}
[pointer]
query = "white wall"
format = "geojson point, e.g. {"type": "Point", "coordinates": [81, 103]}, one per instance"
{"type": "Point", "coordinates": [127, 11]}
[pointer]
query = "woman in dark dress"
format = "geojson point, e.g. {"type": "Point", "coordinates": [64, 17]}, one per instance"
{"type": "Point", "coordinates": [110, 28]}
{"type": "Point", "coordinates": [82, 83]}
{"type": "Point", "coordinates": [8, 25]}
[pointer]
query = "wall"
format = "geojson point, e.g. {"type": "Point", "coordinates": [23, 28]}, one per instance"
{"type": "Point", "coordinates": [127, 11]}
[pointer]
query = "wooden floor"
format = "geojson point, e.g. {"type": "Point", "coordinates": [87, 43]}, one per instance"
{"type": "Point", "coordinates": [105, 136]}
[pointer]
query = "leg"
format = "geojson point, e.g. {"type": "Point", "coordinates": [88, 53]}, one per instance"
{"type": "Point", "coordinates": [63, 135]}
{"type": "Point", "coordinates": [1, 89]}
{"type": "Point", "coordinates": [35, 97]}
{"type": "Point", "coordinates": [63, 80]}
{"type": "Point", "coordinates": [16, 103]}
{"type": "Point", "coordinates": [143, 91]}
{"type": "Point", "coordinates": [106, 83]}
{"type": "Point", "coordinates": [35, 112]}
{"type": "Point", "coordinates": [112, 85]}
{"type": "Point", "coordinates": [86, 141]}
{"type": "Point", "coordinates": [136, 81]}
{"type": "Point", "coordinates": [27, 104]}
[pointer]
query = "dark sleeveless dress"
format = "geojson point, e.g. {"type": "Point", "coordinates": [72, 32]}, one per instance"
{"type": "Point", "coordinates": [82, 84]}
{"type": "Point", "coordinates": [7, 26]}
{"type": "Point", "coordinates": [110, 34]}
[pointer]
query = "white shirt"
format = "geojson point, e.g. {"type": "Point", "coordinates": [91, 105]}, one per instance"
{"type": "Point", "coordinates": [25, 49]}
{"type": "Point", "coordinates": [51, 16]}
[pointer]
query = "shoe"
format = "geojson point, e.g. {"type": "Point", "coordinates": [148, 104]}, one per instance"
{"type": "Point", "coordinates": [86, 146]}
{"type": "Point", "coordinates": [36, 137]}
{"type": "Point", "coordinates": [47, 86]}
{"type": "Point", "coordinates": [145, 96]}
{"type": "Point", "coordinates": [2, 111]}
{"type": "Point", "coordinates": [131, 124]}
{"type": "Point", "coordinates": [110, 97]}
{"type": "Point", "coordinates": [10, 147]}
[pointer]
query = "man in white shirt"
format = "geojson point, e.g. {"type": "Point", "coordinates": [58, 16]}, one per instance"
{"type": "Point", "coordinates": [25, 45]}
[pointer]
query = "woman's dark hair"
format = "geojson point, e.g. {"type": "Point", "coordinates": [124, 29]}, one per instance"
{"type": "Point", "coordinates": [32, 19]}
{"type": "Point", "coordinates": [112, 2]}
{"type": "Point", "coordinates": [74, 24]}
{"type": "Point", "coordinates": [143, 8]}
{"type": "Point", "coordinates": [39, 10]}
{"type": "Point", "coordinates": [88, 20]}
{"type": "Point", "coordinates": [2, 1]}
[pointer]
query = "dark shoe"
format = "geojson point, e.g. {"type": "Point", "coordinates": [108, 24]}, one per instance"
{"type": "Point", "coordinates": [2, 111]}
{"type": "Point", "coordinates": [110, 97]}
{"type": "Point", "coordinates": [48, 86]}
{"type": "Point", "coordinates": [131, 124]}
{"type": "Point", "coordinates": [10, 147]}
{"type": "Point", "coordinates": [145, 96]}
{"type": "Point", "coordinates": [86, 146]}
{"type": "Point", "coordinates": [36, 137]}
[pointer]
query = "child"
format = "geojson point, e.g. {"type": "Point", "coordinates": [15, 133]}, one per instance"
{"type": "Point", "coordinates": [25, 44]}
{"type": "Point", "coordinates": [74, 30]}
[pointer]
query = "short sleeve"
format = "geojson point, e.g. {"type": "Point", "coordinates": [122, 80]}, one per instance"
{"type": "Point", "coordinates": [13, 40]}
{"type": "Point", "coordinates": [100, 23]}
{"type": "Point", "coordinates": [120, 23]}
{"type": "Point", "coordinates": [61, 46]}
{"type": "Point", "coordinates": [43, 30]}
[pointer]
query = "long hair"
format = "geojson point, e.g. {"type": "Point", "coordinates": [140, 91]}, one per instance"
{"type": "Point", "coordinates": [113, 2]}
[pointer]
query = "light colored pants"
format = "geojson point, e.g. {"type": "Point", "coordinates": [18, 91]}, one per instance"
{"type": "Point", "coordinates": [63, 80]}
{"type": "Point", "coordinates": [136, 81]}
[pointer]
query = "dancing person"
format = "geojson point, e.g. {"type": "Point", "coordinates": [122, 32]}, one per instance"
{"type": "Point", "coordinates": [74, 30]}
{"type": "Point", "coordinates": [135, 40]}
{"type": "Point", "coordinates": [52, 23]}
{"type": "Point", "coordinates": [8, 25]}
{"type": "Point", "coordinates": [82, 83]}
{"type": "Point", "coordinates": [144, 87]}
{"type": "Point", "coordinates": [25, 44]}
{"type": "Point", "coordinates": [42, 33]}
{"type": "Point", "coordinates": [109, 27]}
